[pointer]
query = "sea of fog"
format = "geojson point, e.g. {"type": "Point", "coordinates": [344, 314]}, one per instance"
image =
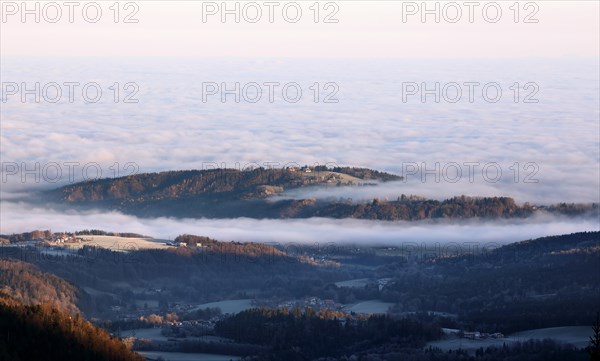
{"type": "Point", "coordinates": [541, 152]}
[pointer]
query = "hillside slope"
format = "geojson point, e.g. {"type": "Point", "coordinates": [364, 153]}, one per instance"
{"type": "Point", "coordinates": [28, 285]}
{"type": "Point", "coordinates": [43, 332]}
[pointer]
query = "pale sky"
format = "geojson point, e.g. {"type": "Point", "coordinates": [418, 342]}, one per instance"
{"type": "Point", "coordinates": [364, 29]}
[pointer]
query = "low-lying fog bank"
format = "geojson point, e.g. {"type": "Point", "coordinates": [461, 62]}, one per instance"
{"type": "Point", "coordinates": [16, 217]}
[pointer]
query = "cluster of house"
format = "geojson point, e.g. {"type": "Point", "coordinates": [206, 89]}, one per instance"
{"type": "Point", "coordinates": [196, 328]}
{"type": "Point", "coordinates": [63, 238]}
{"type": "Point", "coordinates": [312, 302]}
{"type": "Point", "coordinates": [182, 244]}
{"type": "Point", "coordinates": [320, 177]}
{"type": "Point", "coordinates": [303, 169]}
{"type": "Point", "coordinates": [127, 314]}
{"type": "Point", "coordinates": [481, 335]}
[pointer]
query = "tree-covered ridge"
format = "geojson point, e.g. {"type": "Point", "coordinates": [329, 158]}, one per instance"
{"type": "Point", "coordinates": [245, 249]}
{"type": "Point", "coordinates": [26, 284]}
{"type": "Point", "coordinates": [302, 335]}
{"type": "Point", "coordinates": [311, 333]}
{"type": "Point", "coordinates": [43, 332]}
{"type": "Point", "coordinates": [534, 250]}
{"type": "Point", "coordinates": [416, 208]}
{"type": "Point", "coordinates": [365, 173]}
{"type": "Point", "coordinates": [179, 184]}
{"type": "Point", "coordinates": [545, 282]}
{"type": "Point", "coordinates": [231, 193]}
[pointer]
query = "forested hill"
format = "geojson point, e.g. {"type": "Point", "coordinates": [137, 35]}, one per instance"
{"type": "Point", "coordinates": [230, 193]}
{"type": "Point", "coordinates": [43, 332]}
{"type": "Point", "coordinates": [544, 282]}
{"type": "Point", "coordinates": [28, 285]}
{"type": "Point", "coordinates": [40, 319]}
{"type": "Point", "coordinates": [234, 183]}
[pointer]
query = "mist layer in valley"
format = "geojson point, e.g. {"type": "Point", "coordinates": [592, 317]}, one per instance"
{"type": "Point", "coordinates": [311, 230]}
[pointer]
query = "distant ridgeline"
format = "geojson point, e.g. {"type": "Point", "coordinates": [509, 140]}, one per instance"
{"type": "Point", "coordinates": [228, 193]}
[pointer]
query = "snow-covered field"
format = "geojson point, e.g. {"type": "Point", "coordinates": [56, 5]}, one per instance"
{"type": "Point", "coordinates": [119, 243]}
{"type": "Point", "coordinates": [370, 307]}
{"type": "Point", "coordinates": [576, 335]}
{"type": "Point", "coordinates": [228, 306]}
{"type": "Point", "coordinates": [152, 334]}
{"type": "Point", "coordinates": [356, 283]}
{"type": "Point", "coordinates": [179, 356]}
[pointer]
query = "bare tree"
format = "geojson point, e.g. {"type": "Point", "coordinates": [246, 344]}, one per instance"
{"type": "Point", "coordinates": [594, 348]}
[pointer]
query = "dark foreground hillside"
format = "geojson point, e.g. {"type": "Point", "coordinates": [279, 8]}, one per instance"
{"type": "Point", "coordinates": [306, 302]}
{"type": "Point", "coordinates": [43, 332]}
